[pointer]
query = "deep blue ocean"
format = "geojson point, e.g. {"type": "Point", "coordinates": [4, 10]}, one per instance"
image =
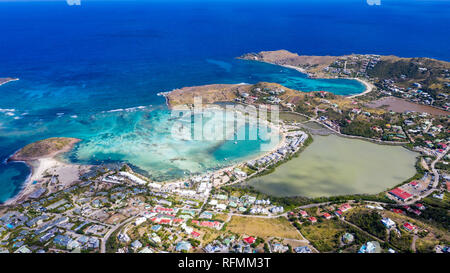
{"type": "Point", "coordinates": [76, 63]}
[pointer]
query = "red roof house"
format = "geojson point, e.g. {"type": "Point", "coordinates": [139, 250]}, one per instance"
{"type": "Point", "coordinates": [303, 213]}
{"type": "Point", "coordinates": [345, 207]}
{"type": "Point", "coordinates": [177, 221]}
{"type": "Point", "coordinates": [400, 194]}
{"type": "Point", "coordinates": [420, 206]}
{"type": "Point", "coordinates": [442, 145]}
{"type": "Point", "coordinates": [417, 212]}
{"type": "Point", "coordinates": [164, 221]}
{"type": "Point", "coordinates": [409, 226]}
{"type": "Point", "coordinates": [399, 211]}
{"type": "Point", "coordinates": [249, 240]}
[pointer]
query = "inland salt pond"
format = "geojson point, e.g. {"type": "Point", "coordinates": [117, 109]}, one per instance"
{"type": "Point", "coordinates": [334, 165]}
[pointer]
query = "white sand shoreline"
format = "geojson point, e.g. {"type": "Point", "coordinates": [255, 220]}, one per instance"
{"type": "Point", "coordinates": [232, 166]}
{"type": "Point", "coordinates": [369, 86]}
{"type": "Point", "coordinates": [299, 69]}
{"type": "Point", "coordinates": [67, 173]}
{"type": "Point", "coordinates": [236, 164]}
{"type": "Point", "coordinates": [9, 80]}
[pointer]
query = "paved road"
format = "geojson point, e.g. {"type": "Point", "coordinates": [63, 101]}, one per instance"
{"type": "Point", "coordinates": [345, 201]}
{"type": "Point", "coordinates": [436, 178]}
{"type": "Point", "coordinates": [433, 164]}
{"type": "Point", "coordinates": [259, 216]}
{"type": "Point", "coordinates": [315, 205]}
{"type": "Point", "coordinates": [429, 126]}
{"type": "Point", "coordinates": [111, 231]}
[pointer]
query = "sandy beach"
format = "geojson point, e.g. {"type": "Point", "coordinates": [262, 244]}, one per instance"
{"type": "Point", "coordinates": [280, 144]}
{"type": "Point", "coordinates": [43, 169]}
{"type": "Point", "coordinates": [299, 69]}
{"type": "Point", "coordinates": [369, 87]}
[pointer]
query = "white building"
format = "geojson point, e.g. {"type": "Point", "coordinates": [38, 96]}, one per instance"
{"type": "Point", "coordinates": [140, 220]}
{"type": "Point", "coordinates": [388, 223]}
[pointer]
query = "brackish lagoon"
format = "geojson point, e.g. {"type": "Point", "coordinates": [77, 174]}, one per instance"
{"type": "Point", "coordinates": [334, 165]}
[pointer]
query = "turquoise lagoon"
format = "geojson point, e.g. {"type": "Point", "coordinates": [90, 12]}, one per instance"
{"type": "Point", "coordinates": [115, 111]}
{"type": "Point", "coordinates": [76, 63]}
{"type": "Point", "coordinates": [164, 147]}
{"type": "Point", "coordinates": [119, 56]}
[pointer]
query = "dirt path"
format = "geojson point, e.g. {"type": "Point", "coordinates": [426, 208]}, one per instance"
{"type": "Point", "coordinates": [413, 243]}
{"type": "Point", "coordinates": [365, 232]}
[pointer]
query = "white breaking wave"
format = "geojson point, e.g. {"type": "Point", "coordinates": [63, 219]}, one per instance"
{"type": "Point", "coordinates": [131, 109]}
{"type": "Point", "coordinates": [7, 110]}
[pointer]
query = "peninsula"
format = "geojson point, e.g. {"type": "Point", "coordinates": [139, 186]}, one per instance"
{"type": "Point", "coordinates": [48, 174]}
{"type": "Point", "coordinates": [44, 148]}
{"type": "Point", "coordinates": [419, 80]}
{"type": "Point", "coordinates": [209, 94]}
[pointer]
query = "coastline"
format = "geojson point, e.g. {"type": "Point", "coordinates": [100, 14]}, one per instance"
{"type": "Point", "coordinates": [7, 80]}
{"type": "Point", "coordinates": [232, 166]}
{"type": "Point", "coordinates": [26, 188]}
{"type": "Point", "coordinates": [43, 168]}
{"type": "Point", "coordinates": [38, 167]}
{"type": "Point", "coordinates": [299, 69]}
{"type": "Point", "coordinates": [369, 87]}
